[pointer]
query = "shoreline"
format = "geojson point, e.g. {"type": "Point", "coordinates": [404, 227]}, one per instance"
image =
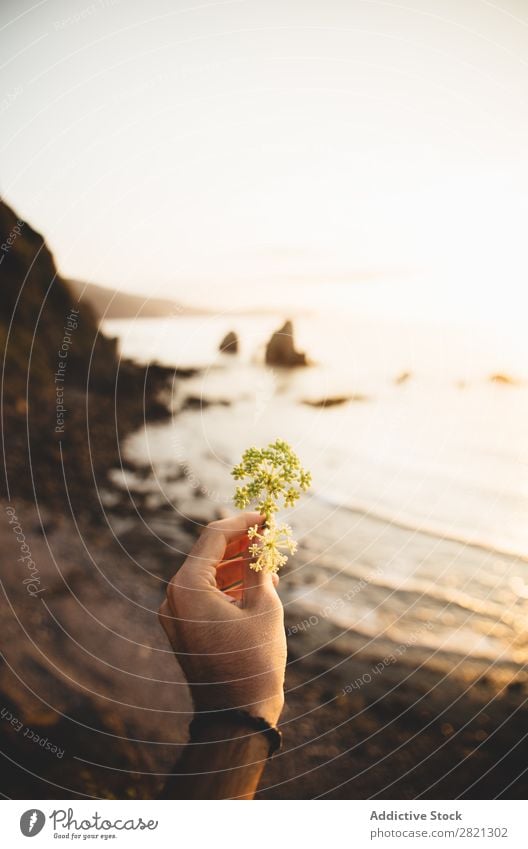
{"type": "Point", "coordinates": [356, 725]}
{"type": "Point", "coordinates": [412, 730]}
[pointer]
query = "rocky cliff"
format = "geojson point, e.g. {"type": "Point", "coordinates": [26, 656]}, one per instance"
{"type": "Point", "coordinates": [67, 399]}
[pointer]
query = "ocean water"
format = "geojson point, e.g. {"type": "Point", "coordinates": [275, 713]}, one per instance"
{"type": "Point", "coordinates": [420, 493]}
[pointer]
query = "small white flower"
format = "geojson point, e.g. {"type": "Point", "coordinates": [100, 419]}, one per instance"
{"type": "Point", "coordinates": [269, 545]}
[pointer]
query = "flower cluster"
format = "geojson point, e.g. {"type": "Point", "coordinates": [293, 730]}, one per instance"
{"type": "Point", "coordinates": [270, 476]}
{"type": "Point", "coordinates": [275, 472]}
{"type": "Point", "coordinates": [270, 543]}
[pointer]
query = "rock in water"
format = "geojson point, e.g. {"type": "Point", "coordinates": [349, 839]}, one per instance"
{"type": "Point", "coordinates": [229, 344]}
{"type": "Point", "coordinates": [280, 350]}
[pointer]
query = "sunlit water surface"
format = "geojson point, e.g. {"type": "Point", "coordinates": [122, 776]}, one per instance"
{"type": "Point", "coordinates": [420, 484]}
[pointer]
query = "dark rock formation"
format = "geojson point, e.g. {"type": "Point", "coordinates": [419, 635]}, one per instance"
{"type": "Point", "coordinates": [36, 307]}
{"type": "Point", "coordinates": [184, 373]}
{"type": "Point", "coordinates": [229, 344]}
{"type": "Point", "coordinates": [82, 674]}
{"type": "Point", "coordinates": [197, 402]}
{"type": "Point", "coordinates": [280, 350]}
{"type": "Point", "coordinates": [68, 398]}
{"type": "Point", "coordinates": [334, 400]}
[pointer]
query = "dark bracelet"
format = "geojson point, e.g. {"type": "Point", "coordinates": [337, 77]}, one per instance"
{"type": "Point", "coordinates": [239, 717]}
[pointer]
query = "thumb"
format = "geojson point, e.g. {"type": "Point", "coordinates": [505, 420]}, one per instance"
{"type": "Point", "coordinates": [257, 585]}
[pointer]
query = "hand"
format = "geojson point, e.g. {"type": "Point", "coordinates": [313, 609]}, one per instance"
{"type": "Point", "coordinates": [232, 653]}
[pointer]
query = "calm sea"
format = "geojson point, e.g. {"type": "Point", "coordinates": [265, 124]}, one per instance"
{"type": "Point", "coordinates": [420, 479]}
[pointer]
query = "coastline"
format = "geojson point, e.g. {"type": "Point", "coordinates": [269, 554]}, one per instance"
{"type": "Point", "coordinates": [87, 669]}
{"type": "Point", "coordinates": [118, 707]}
{"type": "Point", "coordinates": [414, 731]}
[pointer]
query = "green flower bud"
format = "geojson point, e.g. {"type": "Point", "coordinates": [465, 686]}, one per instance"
{"type": "Point", "coordinates": [274, 478]}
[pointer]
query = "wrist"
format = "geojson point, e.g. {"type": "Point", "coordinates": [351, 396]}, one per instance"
{"type": "Point", "coordinates": [237, 730]}
{"type": "Point", "coordinates": [218, 700]}
{"type": "Point", "coordinates": [269, 709]}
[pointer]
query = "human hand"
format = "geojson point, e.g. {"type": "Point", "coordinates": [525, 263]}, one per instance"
{"type": "Point", "coordinates": [233, 653]}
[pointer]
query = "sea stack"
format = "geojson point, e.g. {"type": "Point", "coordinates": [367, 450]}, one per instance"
{"type": "Point", "coordinates": [280, 350]}
{"type": "Point", "coordinates": [229, 344]}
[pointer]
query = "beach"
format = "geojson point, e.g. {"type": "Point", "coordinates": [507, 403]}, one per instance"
{"type": "Point", "coordinates": [94, 676]}
{"type": "Point", "coordinates": [406, 636]}
{"type": "Point", "coordinates": [288, 240]}
{"type": "Point", "coordinates": [418, 483]}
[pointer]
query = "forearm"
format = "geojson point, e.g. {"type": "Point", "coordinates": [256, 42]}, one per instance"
{"type": "Point", "coordinates": [221, 762]}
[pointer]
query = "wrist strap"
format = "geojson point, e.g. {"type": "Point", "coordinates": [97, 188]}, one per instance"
{"type": "Point", "coordinates": [238, 718]}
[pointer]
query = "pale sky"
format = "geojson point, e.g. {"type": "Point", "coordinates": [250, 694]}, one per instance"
{"type": "Point", "coordinates": [221, 150]}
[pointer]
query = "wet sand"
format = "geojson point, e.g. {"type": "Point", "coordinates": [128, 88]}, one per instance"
{"type": "Point", "coordinates": [359, 725]}
{"type": "Point", "coordinates": [87, 668]}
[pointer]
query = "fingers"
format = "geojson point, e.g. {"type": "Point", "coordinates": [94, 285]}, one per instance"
{"type": "Point", "coordinates": [257, 586]}
{"type": "Point", "coordinates": [230, 578]}
{"type": "Point", "coordinates": [232, 575]}
{"type": "Point", "coordinates": [230, 572]}
{"type": "Point", "coordinates": [195, 584]}
{"type": "Point", "coordinates": [234, 527]}
{"type": "Point", "coordinates": [199, 569]}
{"type": "Point", "coordinates": [237, 546]}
